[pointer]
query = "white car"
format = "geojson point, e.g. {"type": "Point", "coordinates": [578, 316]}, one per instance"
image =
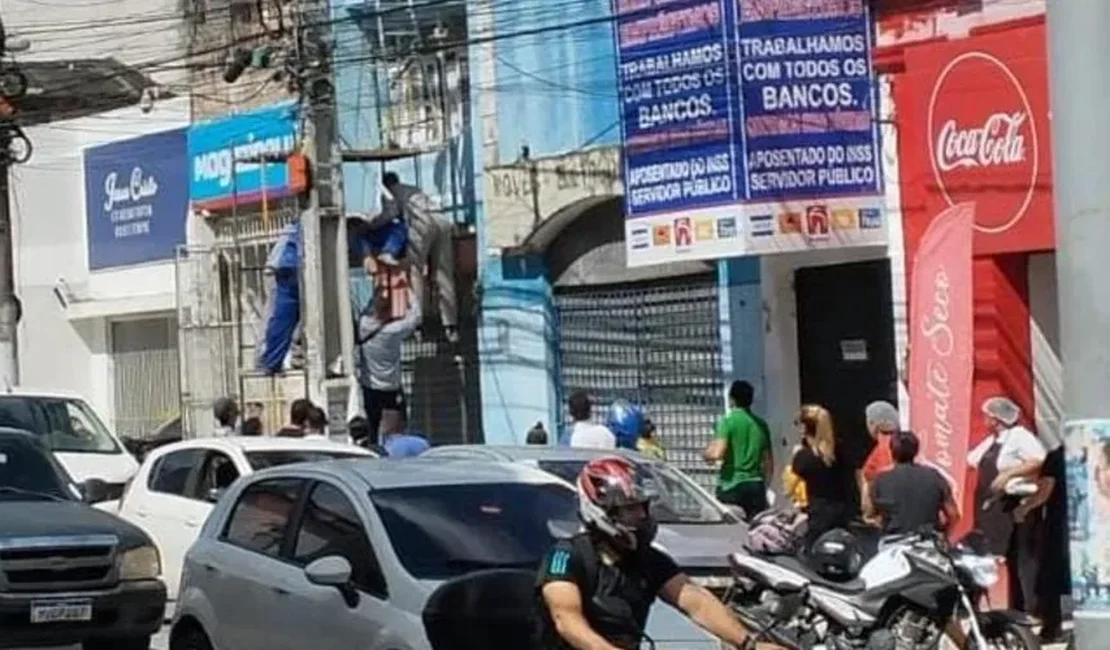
{"type": "Point", "coordinates": [71, 429]}
{"type": "Point", "coordinates": [177, 485]}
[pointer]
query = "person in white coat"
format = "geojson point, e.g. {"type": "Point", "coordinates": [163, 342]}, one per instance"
{"type": "Point", "coordinates": [431, 246]}
{"type": "Point", "coordinates": [1008, 462]}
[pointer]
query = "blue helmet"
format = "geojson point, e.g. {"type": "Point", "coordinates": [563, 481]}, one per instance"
{"type": "Point", "coordinates": [626, 421]}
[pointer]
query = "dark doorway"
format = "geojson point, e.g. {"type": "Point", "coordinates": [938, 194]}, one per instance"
{"type": "Point", "coordinates": [846, 355]}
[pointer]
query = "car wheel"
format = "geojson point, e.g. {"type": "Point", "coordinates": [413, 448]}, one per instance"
{"type": "Point", "coordinates": [191, 637]}
{"type": "Point", "coordinates": [138, 643]}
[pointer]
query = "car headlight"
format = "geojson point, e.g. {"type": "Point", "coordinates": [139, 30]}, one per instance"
{"type": "Point", "coordinates": [140, 563]}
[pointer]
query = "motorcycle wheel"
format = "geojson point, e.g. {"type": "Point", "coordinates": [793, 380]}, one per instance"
{"type": "Point", "coordinates": [1008, 636]}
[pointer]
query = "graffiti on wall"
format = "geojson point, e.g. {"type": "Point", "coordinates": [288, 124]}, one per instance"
{"type": "Point", "coordinates": [521, 196]}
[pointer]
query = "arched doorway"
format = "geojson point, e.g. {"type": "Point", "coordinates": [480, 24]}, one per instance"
{"type": "Point", "coordinates": [649, 334]}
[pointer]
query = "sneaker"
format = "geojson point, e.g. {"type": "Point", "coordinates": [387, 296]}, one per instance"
{"type": "Point", "coordinates": [388, 259]}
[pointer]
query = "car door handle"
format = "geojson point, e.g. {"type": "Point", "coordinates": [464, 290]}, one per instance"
{"type": "Point", "coordinates": [279, 591]}
{"type": "Point", "coordinates": [211, 569]}
{"type": "Point", "coordinates": [192, 523]}
{"type": "Point", "coordinates": [142, 513]}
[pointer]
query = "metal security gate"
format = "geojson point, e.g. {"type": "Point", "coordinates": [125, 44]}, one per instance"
{"type": "Point", "coordinates": [655, 342]}
{"type": "Point", "coordinates": [144, 357]}
{"type": "Point", "coordinates": [440, 379]}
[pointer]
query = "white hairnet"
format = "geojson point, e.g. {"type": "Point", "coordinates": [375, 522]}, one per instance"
{"type": "Point", "coordinates": [1002, 409]}
{"type": "Point", "coordinates": [882, 415]}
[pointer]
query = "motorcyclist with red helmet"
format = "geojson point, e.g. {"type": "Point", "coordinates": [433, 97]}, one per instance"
{"type": "Point", "coordinates": [595, 589]}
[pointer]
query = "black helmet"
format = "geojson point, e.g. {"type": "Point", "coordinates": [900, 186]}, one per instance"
{"type": "Point", "coordinates": [836, 555]}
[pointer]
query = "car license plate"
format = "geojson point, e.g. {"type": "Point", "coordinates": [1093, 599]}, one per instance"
{"type": "Point", "coordinates": [59, 612]}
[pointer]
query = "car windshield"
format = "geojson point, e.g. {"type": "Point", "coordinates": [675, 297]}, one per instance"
{"type": "Point", "coordinates": [443, 531]}
{"type": "Point", "coordinates": [28, 474]}
{"type": "Point", "coordinates": [260, 460]}
{"type": "Point", "coordinates": [679, 502]}
{"type": "Point", "coordinates": [65, 425]}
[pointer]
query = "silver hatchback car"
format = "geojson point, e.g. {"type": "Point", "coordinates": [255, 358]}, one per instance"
{"type": "Point", "coordinates": [345, 554]}
{"type": "Point", "coordinates": [696, 529]}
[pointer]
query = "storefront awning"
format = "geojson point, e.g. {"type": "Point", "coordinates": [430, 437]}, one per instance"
{"type": "Point", "coordinates": [122, 306]}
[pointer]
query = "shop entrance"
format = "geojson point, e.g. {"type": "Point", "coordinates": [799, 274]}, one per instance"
{"type": "Point", "coordinates": [846, 354]}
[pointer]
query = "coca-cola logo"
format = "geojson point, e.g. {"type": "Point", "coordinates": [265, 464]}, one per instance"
{"type": "Point", "coordinates": [983, 140]}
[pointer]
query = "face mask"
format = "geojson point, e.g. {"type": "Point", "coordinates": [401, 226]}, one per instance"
{"type": "Point", "coordinates": [645, 533]}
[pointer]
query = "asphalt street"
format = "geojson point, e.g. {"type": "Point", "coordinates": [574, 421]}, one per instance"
{"type": "Point", "coordinates": [162, 642]}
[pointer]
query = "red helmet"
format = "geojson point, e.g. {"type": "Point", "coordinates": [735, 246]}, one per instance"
{"type": "Point", "coordinates": [607, 484]}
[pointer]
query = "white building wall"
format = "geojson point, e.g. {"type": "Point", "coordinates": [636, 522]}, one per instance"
{"type": "Point", "coordinates": [148, 34]}
{"type": "Point", "coordinates": [67, 347]}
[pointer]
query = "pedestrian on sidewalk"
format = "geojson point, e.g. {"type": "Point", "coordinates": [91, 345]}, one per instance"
{"type": "Point", "coordinates": [316, 426]}
{"type": "Point", "coordinates": [584, 433]}
{"type": "Point", "coordinates": [742, 448]}
{"type": "Point", "coordinates": [396, 440]}
{"type": "Point", "coordinates": [299, 411]}
{"type": "Point", "coordinates": [226, 412]}
{"type": "Point", "coordinates": [537, 435]}
{"type": "Point", "coordinates": [882, 423]}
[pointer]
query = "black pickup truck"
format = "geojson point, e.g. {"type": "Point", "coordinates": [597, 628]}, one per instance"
{"type": "Point", "coordinates": [69, 573]}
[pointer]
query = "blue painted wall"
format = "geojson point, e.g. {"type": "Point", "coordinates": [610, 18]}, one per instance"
{"type": "Point", "coordinates": [361, 90]}
{"type": "Point", "coordinates": [555, 89]}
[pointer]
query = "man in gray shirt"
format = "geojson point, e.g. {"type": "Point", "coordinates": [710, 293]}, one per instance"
{"type": "Point", "coordinates": [380, 337]}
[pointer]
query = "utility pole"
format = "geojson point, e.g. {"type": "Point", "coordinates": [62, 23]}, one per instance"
{"type": "Point", "coordinates": [1077, 43]}
{"type": "Point", "coordinates": [13, 86]}
{"type": "Point", "coordinates": [328, 329]}
{"type": "Point", "coordinates": [9, 302]}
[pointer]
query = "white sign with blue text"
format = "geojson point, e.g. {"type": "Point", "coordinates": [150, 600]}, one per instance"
{"type": "Point", "coordinates": [749, 126]}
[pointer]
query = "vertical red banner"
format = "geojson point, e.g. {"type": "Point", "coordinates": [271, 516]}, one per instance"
{"type": "Point", "coordinates": [941, 346]}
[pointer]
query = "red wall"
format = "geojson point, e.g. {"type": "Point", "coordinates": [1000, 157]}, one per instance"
{"type": "Point", "coordinates": [1003, 356]}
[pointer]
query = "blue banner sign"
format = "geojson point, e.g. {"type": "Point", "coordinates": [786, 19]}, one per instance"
{"type": "Point", "coordinates": [807, 88]}
{"type": "Point", "coordinates": [136, 199]}
{"type": "Point", "coordinates": [220, 151]}
{"type": "Point", "coordinates": [742, 110]}
{"type": "Point", "coordinates": [676, 104]}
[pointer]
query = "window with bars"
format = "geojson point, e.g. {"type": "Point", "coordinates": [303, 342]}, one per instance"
{"type": "Point", "coordinates": [656, 343]}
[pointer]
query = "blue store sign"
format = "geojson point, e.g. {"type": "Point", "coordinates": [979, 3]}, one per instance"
{"type": "Point", "coordinates": [136, 199]}
{"type": "Point", "coordinates": [219, 151]}
{"type": "Point", "coordinates": [741, 110]}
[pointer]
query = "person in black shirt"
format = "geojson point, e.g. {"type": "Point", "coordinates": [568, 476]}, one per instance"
{"type": "Point", "coordinates": [594, 590]}
{"type": "Point", "coordinates": [911, 497]}
{"type": "Point", "coordinates": [830, 481]}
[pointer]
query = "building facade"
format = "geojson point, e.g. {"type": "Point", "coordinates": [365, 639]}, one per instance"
{"type": "Point", "coordinates": [100, 210]}
{"type": "Point", "coordinates": [404, 104]}
{"type": "Point", "coordinates": [561, 309]}
{"type": "Point", "coordinates": [101, 205]}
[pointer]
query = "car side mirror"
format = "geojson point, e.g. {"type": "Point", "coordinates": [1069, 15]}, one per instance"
{"type": "Point", "coordinates": [213, 495]}
{"type": "Point", "coordinates": [94, 490]}
{"type": "Point", "coordinates": [333, 571]}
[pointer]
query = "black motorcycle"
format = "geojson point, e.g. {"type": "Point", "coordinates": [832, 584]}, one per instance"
{"type": "Point", "coordinates": [905, 598]}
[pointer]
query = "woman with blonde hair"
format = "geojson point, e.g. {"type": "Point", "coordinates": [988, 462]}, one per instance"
{"type": "Point", "coordinates": [829, 481]}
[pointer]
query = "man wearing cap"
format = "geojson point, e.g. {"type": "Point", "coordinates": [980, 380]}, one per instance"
{"type": "Point", "coordinates": [226, 412]}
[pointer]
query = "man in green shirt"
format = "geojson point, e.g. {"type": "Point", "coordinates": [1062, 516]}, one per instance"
{"type": "Point", "coordinates": [742, 445]}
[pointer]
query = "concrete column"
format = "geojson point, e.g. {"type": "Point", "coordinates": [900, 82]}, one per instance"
{"type": "Point", "coordinates": [1078, 47]}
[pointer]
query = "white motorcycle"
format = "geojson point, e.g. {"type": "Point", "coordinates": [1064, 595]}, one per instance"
{"type": "Point", "coordinates": [903, 599]}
